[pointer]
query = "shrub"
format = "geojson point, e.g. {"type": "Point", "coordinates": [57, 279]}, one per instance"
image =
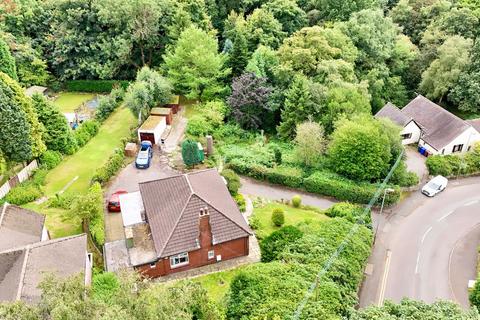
{"type": "Point", "coordinates": [404, 178]}
{"type": "Point", "coordinates": [240, 200]}
{"type": "Point", "coordinates": [63, 201]}
{"type": "Point", "coordinates": [276, 242]}
{"type": "Point", "coordinates": [97, 86]}
{"type": "Point", "coordinates": [198, 126]}
{"type": "Point", "coordinates": [110, 168]}
{"type": "Point", "coordinates": [254, 222]}
{"type": "Point", "coordinates": [39, 177]}
{"type": "Point", "coordinates": [233, 181]}
{"type": "Point", "coordinates": [447, 166]}
{"type": "Point", "coordinates": [296, 201]}
{"type": "Point", "coordinates": [86, 131]}
{"type": "Point", "coordinates": [50, 159]}
{"type": "Point", "coordinates": [107, 104]}
{"type": "Point", "coordinates": [278, 217]}
{"type": "Point", "coordinates": [474, 296]}
{"type": "Point", "coordinates": [287, 176]}
{"type": "Point", "coordinates": [352, 212]}
{"type": "Point", "coordinates": [331, 184]}
{"type": "Point", "coordinates": [24, 193]}
{"type": "Point", "coordinates": [105, 286]}
{"type": "Point", "coordinates": [97, 229]}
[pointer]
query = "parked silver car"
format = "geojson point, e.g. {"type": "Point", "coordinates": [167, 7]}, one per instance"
{"type": "Point", "coordinates": [434, 186]}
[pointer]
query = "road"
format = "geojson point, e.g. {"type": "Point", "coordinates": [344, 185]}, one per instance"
{"type": "Point", "coordinates": [265, 190]}
{"type": "Point", "coordinates": [427, 248]}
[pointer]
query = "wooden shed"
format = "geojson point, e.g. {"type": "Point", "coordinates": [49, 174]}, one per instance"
{"type": "Point", "coordinates": [174, 104]}
{"type": "Point", "coordinates": [164, 112]}
{"type": "Point", "coordinates": [152, 129]}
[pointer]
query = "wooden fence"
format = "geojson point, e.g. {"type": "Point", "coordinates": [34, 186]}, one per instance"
{"type": "Point", "coordinates": [20, 177]}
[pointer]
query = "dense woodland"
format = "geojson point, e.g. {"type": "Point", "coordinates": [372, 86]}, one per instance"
{"type": "Point", "coordinates": [287, 88]}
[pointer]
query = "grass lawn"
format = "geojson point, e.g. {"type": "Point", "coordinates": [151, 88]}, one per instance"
{"type": "Point", "coordinates": [293, 216]}
{"type": "Point", "coordinates": [218, 283]}
{"type": "Point", "coordinates": [82, 164]}
{"type": "Point", "coordinates": [92, 156]}
{"type": "Point", "coordinates": [69, 101]}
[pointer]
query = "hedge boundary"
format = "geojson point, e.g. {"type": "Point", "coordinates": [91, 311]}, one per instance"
{"type": "Point", "coordinates": [95, 86]}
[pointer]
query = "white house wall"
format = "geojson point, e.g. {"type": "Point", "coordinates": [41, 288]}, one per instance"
{"type": "Point", "coordinates": [429, 148]}
{"type": "Point", "coordinates": [467, 138]}
{"type": "Point", "coordinates": [412, 128]}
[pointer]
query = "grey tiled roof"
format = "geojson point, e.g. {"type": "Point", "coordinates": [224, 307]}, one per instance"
{"type": "Point", "coordinates": [19, 227]}
{"type": "Point", "coordinates": [393, 113]}
{"type": "Point", "coordinates": [475, 123]}
{"type": "Point", "coordinates": [22, 269]}
{"type": "Point", "coordinates": [173, 205]}
{"type": "Point", "coordinates": [440, 127]}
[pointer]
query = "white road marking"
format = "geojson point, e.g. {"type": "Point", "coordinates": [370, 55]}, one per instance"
{"type": "Point", "coordinates": [470, 203]}
{"type": "Point", "coordinates": [418, 263]}
{"type": "Point", "coordinates": [381, 296]}
{"type": "Point", "coordinates": [445, 216]}
{"type": "Point", "coordinates": [426, 233]}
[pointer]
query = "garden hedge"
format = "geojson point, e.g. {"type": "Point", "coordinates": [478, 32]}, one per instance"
{"type": "Point", "coordinates": [96, 86]}
{"type": "Point", "coordinates": [454, 165]}
{"type": "Point", "coordinates": [277, 241]}
{"type": "Point", "coordinates": [110, 168]}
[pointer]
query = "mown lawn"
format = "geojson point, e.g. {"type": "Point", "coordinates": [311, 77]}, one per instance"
{"type": "Point", "coordinates": [82, 164]}
{"type": "Point", "coordinates": [218, 283]}
{"type": "Point", "coordinates": [92, 156]}
{"type": "Point", "coordinates": [69, 101]}
{"type": "Point", "coordinates": [293, 216]}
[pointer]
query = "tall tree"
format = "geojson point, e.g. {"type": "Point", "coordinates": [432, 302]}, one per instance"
{"type": "Point", "coordinates": [333, 10]}
{"type": "Point", "coordinates": [288, 13]}
{"type": "Point", "coordinates": [249, 101]}
{"type": "Point", "coordinates": [194, 66]}
{"type": "Point", "coordinates": [442, 75]}
{"type": "Point", "coordinates": [263, 62]}
{"type": "Point", "coordinates": [309, 142]}
{"type": "Point", "coordinates": [238, 56]}
{"type": "Point", "coordinates": [295, 109]}
{"type": "Point", "coordinates": [7, 62]}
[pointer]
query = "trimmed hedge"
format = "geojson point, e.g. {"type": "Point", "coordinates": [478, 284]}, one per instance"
{"type": "Point", "coordinates": [278, 217]}
{"type": "Point", "coordinates": [453, 165]}
{"type": "Point", "coordinates": [24, 193]}
{"type": "Point", "coordinates": [96, 86]}
{"type": "Point", "coordinates": [110, 168]}
{"type": "Point", "coordinates": [233, 181]}
{"type": "Point", "coordinates": [277, 241]}
{"type": "Point", "coordinates": [333, 185]}
{"type": "Point", "coordinates": [86, 131]}
{"type": "Point", "coordinates": [351, 212]}
{"type": "Point", "coordinates": [240, 200]}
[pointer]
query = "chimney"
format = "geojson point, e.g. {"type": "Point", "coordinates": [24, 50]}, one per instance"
{"type": "Point", "coordinates": [205, 230]}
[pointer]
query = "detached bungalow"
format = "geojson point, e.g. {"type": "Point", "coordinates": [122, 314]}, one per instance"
{"type": "Point", "coordinates": [434, 129]}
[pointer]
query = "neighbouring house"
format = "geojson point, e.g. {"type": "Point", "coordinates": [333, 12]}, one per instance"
{"type": "Point", "coordinates": [27, 254]}
{"type": "Point", "coordinates": [30, 91]}
{"type": "Point", "coordinates": [174, 104]}
{"type": "Point", "coordinates": [434, 129]}
{"type": "Point", "coordinates": [179, 223]}
{"type": "Point", "coordinates": [152, 129]}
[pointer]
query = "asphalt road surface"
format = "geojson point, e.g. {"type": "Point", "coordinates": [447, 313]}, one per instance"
{"type": "Point", "coordinates": [427, 248]}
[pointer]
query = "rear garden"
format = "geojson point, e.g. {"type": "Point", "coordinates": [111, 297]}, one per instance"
{"type": "Point", "coordinates": [69, 101]}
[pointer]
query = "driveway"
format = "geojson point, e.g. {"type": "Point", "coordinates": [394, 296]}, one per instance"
{"type": "Point", "coordinates": [416, 162]}
{"type": "Point", "coordinates": [265, 190]}
{"type": "Point", "coordinates": [426, 249]}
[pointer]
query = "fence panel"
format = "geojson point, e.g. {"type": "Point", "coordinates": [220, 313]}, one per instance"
{"type": "Point", "coordinates": [27, 171]}
{"type": "Point", "coordinates": [4, 189]}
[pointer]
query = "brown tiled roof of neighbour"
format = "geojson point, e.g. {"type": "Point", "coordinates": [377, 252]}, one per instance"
{"type": "Point", "coordinates": [393, 113]}
{"type": "Point", "coordinates": [23, 269]}
{"type": "Point", "coordinates": [475, 123]}
{"type": "Point", "coordinates": [440, 126]}
{"type": "Point", "coordinates": [173, 205]}
{"type": "Point", "coordinates": [19, 227]}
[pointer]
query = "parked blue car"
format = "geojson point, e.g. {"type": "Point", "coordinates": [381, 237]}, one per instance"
{"type": "Point", "coordinates": [144, 156]}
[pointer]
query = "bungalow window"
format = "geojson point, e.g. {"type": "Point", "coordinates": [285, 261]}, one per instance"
{"type": "Point", "coordinates": [179, 260]}
{"type": "Point", "coordinates": [457, 148]}
{"type": "Point", "coordinates": [211, 254]}
{"type": "Point", "coordinates": [406, 136]}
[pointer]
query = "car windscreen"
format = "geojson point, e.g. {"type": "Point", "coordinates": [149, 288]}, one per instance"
{"type": "Point", "coordinates": [433, 185]}
{"type": "Point", "coordinates": [142, 155]}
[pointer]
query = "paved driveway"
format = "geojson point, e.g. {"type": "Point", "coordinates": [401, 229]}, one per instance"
{"type": "Point", "coordinates": [265, 190]}
{"type": "Point", "coordinates": [416, 162]}
{"type": "Point", "coordinates": [426, 248]}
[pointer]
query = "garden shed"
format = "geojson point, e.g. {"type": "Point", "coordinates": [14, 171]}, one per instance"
{"type": "Point", "coordinates": [174, 104]}
{"type": "Point", "coordinates": [152, 129]}
{"type": "Point", "coordinates": [164, 112]}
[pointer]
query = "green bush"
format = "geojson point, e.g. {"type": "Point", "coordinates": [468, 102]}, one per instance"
{"type": "Point", "coordinates": [287, 176]}
{"type": "Point", "coordinates": [86, 131]}
{"type": "Point", "coordinates": [447, 166]}
{"type": "Point", "coordinates": [97, 86]}
{"type": "Point", "coordinates": [296, 201]}
{"type": "Point", "coordinates": [240, 200]}
{"type": "Point", "coordinates": [404, 178]}
{"type": "Point", "coordinates": [39, 177]}
{"type": "Point", "coordinates": [63, 201]}
{"type": "Point", "coordinates": [50, 159]}
{"type": "Point", "coordinates": [24, 193]}
{"type": "Point", "coordinates": [108, 104]}
{"type": "Point", "coordinates": [198, 126]}
{"type": "Point", "coordinates": [110, 168]}
{"type": "Point", "coordinates": [254, 222]}
{"type": "Point", "coordinates": [278, 217]}
{"type": "Point", "coordinates": [474, 296]}
{"type": "Point", "coordinates": [276, 242]}
{"type": "Point", "coordinates": [105, 286]}
{"type": "Point", "coordinates": [352, 212]}
{"type": "Point", "coordinates": [333, 185]}
{"type": "Point", "coordinates": [233, 181]}
{"type": "Point", "coordinates": [97, 229]}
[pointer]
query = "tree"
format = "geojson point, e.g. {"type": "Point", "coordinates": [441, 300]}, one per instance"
{"type": "Point", "coordinates": [441, 310]}
{"type": "Point", "coordinates": [238, 56]}
{"type": "Point", "coordinates": [88, 207]}
{"type": "Point", "coordinates": [190, 153]}
{"type": "Point", "coordinates": [262, 63]}
{"type": "Point", "coordinates": [442, 75]}
{"type": "Point", "coordinates": [17, 100]}
{"type": "Point", "coordinates": [57, 135]}
{"type": "Point", "coordinates": [288, 13]}
{"type": "Point", "coordinates": [309, 143]}
{"type": "Point", "coordinates": [262, 28]}
{"type": "Point", "coordinates": [249, 100]}
{"type": "Point", "coordinates": [7, 62]}
{"type": "Point", "coordinates": [332, 10]}
{"type": "Point", "coordinates": [358, 150]}
{"type": "Point", "coordinates": [466, 92]}
{"type": "Point", "coordinates": [295, 109]}
{"type": "Point", "coordinates": [194, 66]}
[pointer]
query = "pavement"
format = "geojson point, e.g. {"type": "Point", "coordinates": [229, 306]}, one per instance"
{"type": "Point", "coordinates": [273, 192]}
{"type": "Point", "coordinates": [426, 248]}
